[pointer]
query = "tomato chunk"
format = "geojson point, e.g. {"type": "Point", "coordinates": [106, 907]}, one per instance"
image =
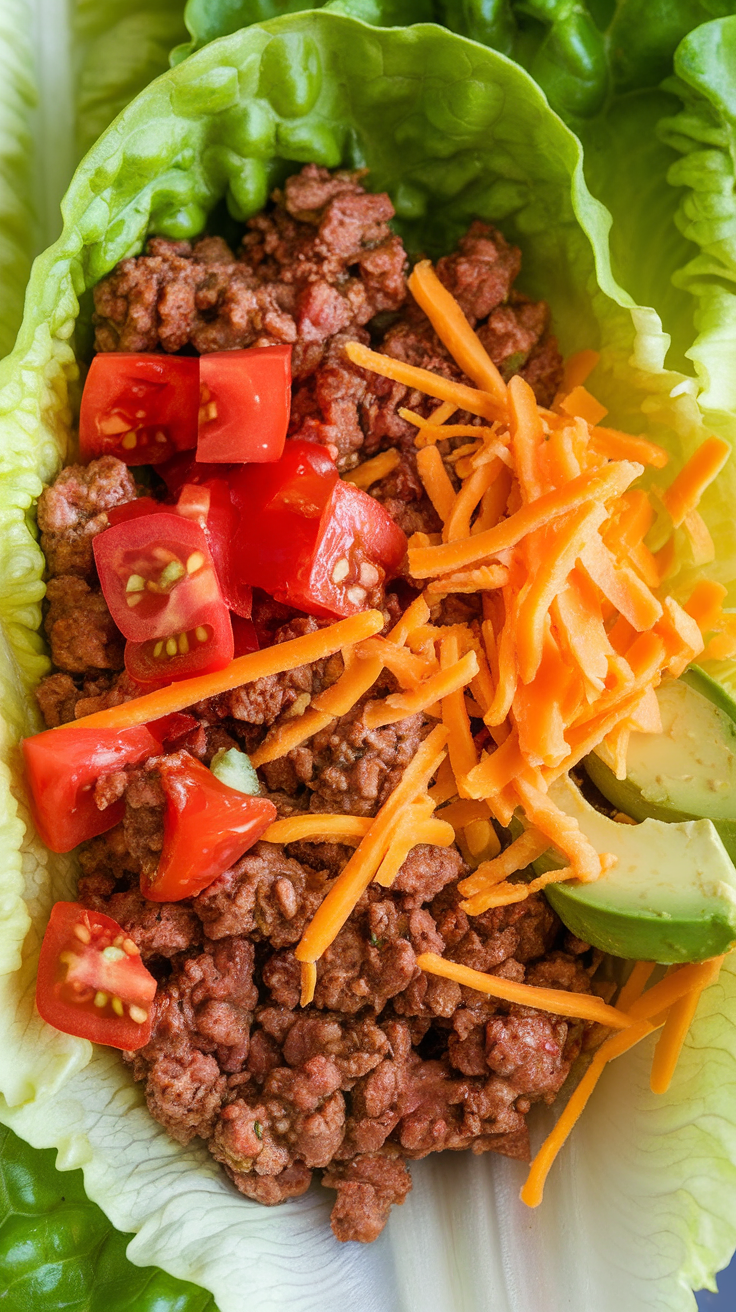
{"type": "Point", "coordinates": [137, 509]}
{"type": "Point", "coordinates": [157, 575]}
{"type": "Point", "coordinates": [211, 505]}
{"type": "Point", "coordinates": [91, 980]}
{"type": "Point", "coordinates": [308, 538]}
{"type": "Point", "coordinates": [207, 827]}
{"type": "Point", "coordinates": [245, 400]}
{"type": "Point", "coordinates": [245, 637]}
{"type": "Point", "coordinates": [62, 767]}
{"type": "Point", "coordinates": [140, 408]}
{"type": "Point", "coordinates": [196, 650]}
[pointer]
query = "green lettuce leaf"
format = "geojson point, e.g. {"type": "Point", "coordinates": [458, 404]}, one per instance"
{"type": "Point", "coordinates": [207, 20]}
{"type": "Point", "coordinates": [119, 46]}
{"type": "Point", "coordinates": [454, 131]}
{"type": "Point", "coordinates": [57, 1249]}
{"type": "Point", "coordinates": [18, 218]}
{"type": "Point", "coordinates": [703, 133]}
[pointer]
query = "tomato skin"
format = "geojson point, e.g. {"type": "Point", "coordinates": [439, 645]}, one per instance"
{"type": "Point", "coordinates": [245, 404]}
{"type": "Point", "coordinates": [156, 671]}
{"type": "Point", "coordinates": [298, 520]}
{"type": "Point", "coordinates": [184, 468]}
{"type": "Point", "coordinates": [141, 551]}
{"type": "Point", "coordinates": [149, 401]}
{"type": "Point", "coordinates": [62, 767]}
{"type": "Point", "coordinates": [134, 510]}
{"type": "Point", "coordinates": [66, 988]}
{"type": "Point", "coordinates": [245, 637]}
{"type": "Point", "coordinates": [221, 525]}
{"type": "Point", "coordinates": [207, 827]}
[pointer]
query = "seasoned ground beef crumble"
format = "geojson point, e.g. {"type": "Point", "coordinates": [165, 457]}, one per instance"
{"type": "Point", "coordinates": [388, 1063]}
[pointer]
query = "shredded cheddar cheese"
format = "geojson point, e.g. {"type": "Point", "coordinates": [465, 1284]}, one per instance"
{"type": "Point", "coordinates": [335, 701]}
{"type": "Point", "coordinates": [372, 470]}
{"type": "Point", "coordinates": [679, 1018]}
{"type": "Point", "coordinates": [309, 983]}
{"type": "Point", "coordinates": [398, 705]}
{"type": "Point", "coordinates": [244, 669]}
{"type": "Point", "coordinates": [532, 1191]}
{"type": "Point", "coordinates": [317, 828]}
{"type": "Point", "coordinates": [354, 879]}
{"type": "Point", "coordinates": [454, 331]}
{"type": "Point", "coordinates": [584, 1006]}
{"type": "Point", "coordinates": [684, 493]}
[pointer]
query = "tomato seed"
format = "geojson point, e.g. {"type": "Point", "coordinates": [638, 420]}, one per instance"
{"type": "Point", "coordinates": [82, 933]}
{"type": "Point", "coordinates": [171, 647]}
{"type": "Point", "coordinates": [341, 570]}
{"type": "Point", "coordinates": [129, 441]}
{"type": "Point", "coordinates": [158, 650]}
{"type": "Point", "coordinates": [100, 998]}
{"type": "Point", "coordinates": [171, 574]}
{"type": "Point", "coordinates": [369, 575]}
{"type": "Point", "coordinates": [201, 633]}
{"type": "Point", "coordinates": [138, 1015]}
{"type": "Point", "coordinates": [130, 947]}
{"type": "Point", "coordinates": [117, 1006]}
{"type": "Point", "coordinates": [183, 644]}
{"type": "Point", "coordinates": [195, 562]}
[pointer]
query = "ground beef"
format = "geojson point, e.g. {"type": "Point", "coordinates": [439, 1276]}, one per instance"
{"type": "Point", "coordinates": [353, 410]}
{"type": "Point", "coordinates": [318, 268]}
{"type": "Point", "coordinates": [305, 272]}
{"type": "Point", "coordinates": [80, 629]}
{"type": "Point", "coordinates": [266, 895]}
{"type": "Point", "coordinates": [63, 698]}
{"type": "Point", "coordinates": [350, 768]}
{"type": "Point", "coordinates": [388, 1063]}
{"type": "Point", "coordinates": [367, 1187]}
{"type": "Point", "coordinates": [72, 511]}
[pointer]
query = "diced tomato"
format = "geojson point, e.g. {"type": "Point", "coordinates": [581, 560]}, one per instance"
{"type": "Point", "coordinates": [245, 399]}
{"type": "Point", "coordinates": [137, 509]}
{"type": "Point", "coordinates": [140, 408]}
{"type": "Point", "coordinates": [308, 538]}
{"type": "Point", "coordinates": [207, 827]}
{"type": "Point", "coordinates": [62, 767]}
{"type": "Point", "coordinates": [222, 531]}
{"type": "Point", "coordinates": [91, 980]}
{"type": "Point", "coordinates": [157, 576]}
{"type": "Point", "coordinates": [245, 637]}
{"type": "Point", "coordinates": [185, 468]}
{"type": "Point", "coordinates": [184, 653]}
{"type": "Point", "coordinates": [171, 727]}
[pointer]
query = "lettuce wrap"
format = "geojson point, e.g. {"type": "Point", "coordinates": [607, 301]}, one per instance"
{"type": "Point", "coordinates": [637, 1211]}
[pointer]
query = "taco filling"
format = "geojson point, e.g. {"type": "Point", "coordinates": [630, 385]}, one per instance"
{"type": "Point", "coordinates": [350, 575]}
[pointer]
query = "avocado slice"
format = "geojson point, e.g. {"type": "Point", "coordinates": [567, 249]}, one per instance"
{"type": "Point", "coordinates": [233, 767]}
{"type": "Point", "coordinates": [670, 897]}
{"type": "Point", "coordinates": [689, 770]}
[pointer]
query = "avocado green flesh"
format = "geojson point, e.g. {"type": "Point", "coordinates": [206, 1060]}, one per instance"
{"type": "Point", "coordinates": [670, 897]}
{"type": "Point", "coordinates": [234, 768]}
{"type": "Point", "coordinates": [686, 772]}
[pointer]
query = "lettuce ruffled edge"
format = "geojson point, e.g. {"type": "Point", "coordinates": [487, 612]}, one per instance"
{"type": "Point", "coordinates": [56, 1090]}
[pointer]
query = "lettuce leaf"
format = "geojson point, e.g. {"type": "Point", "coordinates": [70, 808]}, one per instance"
{"type": "Point", "coordinates": [454, 131]}
{"type": "Point", "coordinates": [703, 133]}
{"type": "Point", "coordinates": [207, 20]}
{"type": "Point", "coordinates": [18, 219]}
{"type": "Point", "coordinates": [601, 68]}
{"type": "Point", "coordinates": [119, 47]}
{"type": "Point", "coordinates": [57, 1249]}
